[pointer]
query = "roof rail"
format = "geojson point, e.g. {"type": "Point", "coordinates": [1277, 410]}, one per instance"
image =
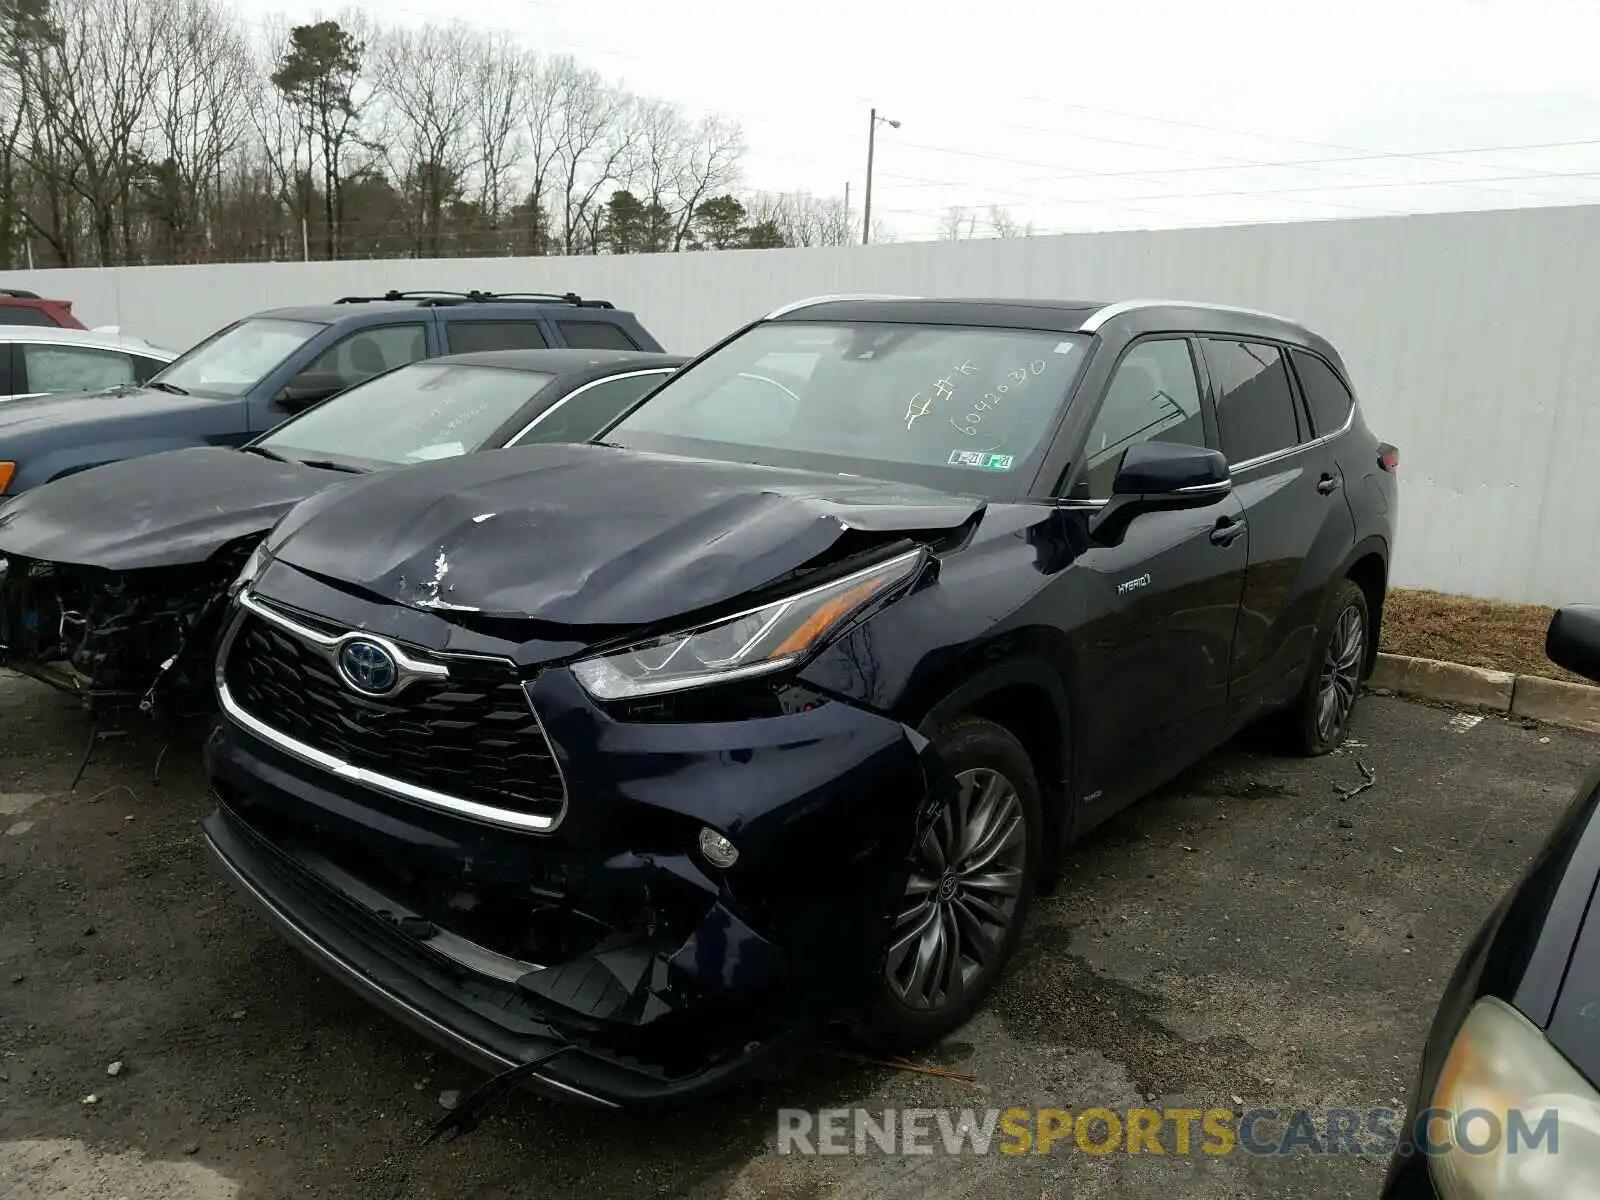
{"type": "Point", "coordinates": [441, 298]}
{"type": "Point", "coordinates": [19, 294]}
{"type": "Point", "coordinates": [796, 305]}
{"type": "Point", "coordinates": [1101, 315]}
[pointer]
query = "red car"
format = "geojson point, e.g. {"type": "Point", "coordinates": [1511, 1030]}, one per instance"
{"type": "Point", "coordinates": [18, 307]}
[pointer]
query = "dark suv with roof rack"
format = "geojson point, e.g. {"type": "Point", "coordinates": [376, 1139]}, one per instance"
{"type": "Point", "coordinates": [252, 374]}
{"type": "Point", "coordinates": [880, 604]}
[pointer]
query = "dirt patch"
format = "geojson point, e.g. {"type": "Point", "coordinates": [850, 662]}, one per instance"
{"type": "Point", "coordinates": [1479, 633]}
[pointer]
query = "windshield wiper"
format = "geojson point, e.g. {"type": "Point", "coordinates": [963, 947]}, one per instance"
{"type": "Point", "coordinates": [265, 453]}
{"type": "Point", "coordinates": [330, 465]}
{"type": "Point", "coordinates": [161, 385]}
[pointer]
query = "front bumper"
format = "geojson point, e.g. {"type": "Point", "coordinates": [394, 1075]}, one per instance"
{"type": "Point", "coordinates": [669, 978]}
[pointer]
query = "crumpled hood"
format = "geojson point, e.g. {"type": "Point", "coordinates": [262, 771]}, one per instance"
{"type": "Point", "coordinates": [591, 535]}
{"type": "Point", "coordinates": [156, 510]}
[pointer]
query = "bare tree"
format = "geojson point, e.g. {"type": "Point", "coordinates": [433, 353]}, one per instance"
{"type": "Point", "coordinates": [201, 117]}
{"type": "Point", "coordinates": [95, 74]}
{"type": "Point", "coordinates": [598, 131]}
{"type": "Point", "coordinates": [805, 219]}
{"type": "Point", "coordinates": [708, 165]}
{"type": "Point", "coordinates": [956, 224]}
{"type": "Point", "coordinates": [424, 82]}
{"type": "Point", "coordinates": [287, 146]}
{"type": "Point", "coordinates": [1003, 225]}
{"type": "Point", "coordinates": [502, 82]}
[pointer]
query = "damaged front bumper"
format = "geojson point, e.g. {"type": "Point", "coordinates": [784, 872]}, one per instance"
{"type": "Point", "coordinates": [116, 638]}
{"type": "Point", "coordinates": [609, 933]}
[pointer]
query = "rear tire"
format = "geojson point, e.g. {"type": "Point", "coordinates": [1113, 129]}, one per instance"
{"type": "Point", "coordinates": [972, 882]}
{"type": "Point", "coordinates": [1319, 719]}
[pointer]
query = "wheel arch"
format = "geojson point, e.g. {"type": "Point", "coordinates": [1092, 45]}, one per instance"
{"type": "Point", "coordinates": [1367, 567]}
{"type": "Point", "coordinates": [1033, 703]}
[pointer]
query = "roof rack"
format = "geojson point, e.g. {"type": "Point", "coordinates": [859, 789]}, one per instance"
{"type": "Point", "coordinates": [19, 294]}
{"type": "Point", "coordinates": [438, 299]}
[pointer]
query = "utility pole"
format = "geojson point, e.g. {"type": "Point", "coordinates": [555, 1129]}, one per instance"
{"type": "Point", "coordinates": [872, 137]}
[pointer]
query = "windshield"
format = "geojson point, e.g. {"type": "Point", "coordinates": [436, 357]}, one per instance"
{"type": "Point", "coordinates": [957, 407]}
{"type": "Point", "coordinates": [426, 410]}
{"type": "Point", "coordinates": [233, 360]}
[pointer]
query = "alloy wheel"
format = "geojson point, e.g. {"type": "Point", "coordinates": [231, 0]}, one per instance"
{"type": "Point", "coordinates": [961, 899]}
{"type": "Point", "coordinates": [1341, 673]}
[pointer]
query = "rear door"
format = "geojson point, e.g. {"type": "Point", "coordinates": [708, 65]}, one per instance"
{"type": "Point", "coordinates": [1161, 602]}
{"type": "Point", "coordinates": [1300, 526]}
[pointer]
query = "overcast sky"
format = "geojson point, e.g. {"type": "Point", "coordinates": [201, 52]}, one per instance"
{"type": "Point", "coordinates": [1112, 114]}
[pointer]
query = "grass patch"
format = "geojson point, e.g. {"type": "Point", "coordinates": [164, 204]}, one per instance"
{"type": "Point", "coordinates": [1479, 633]}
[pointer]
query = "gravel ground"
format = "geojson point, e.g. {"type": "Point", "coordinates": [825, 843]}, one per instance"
{"type": "Point", "coordinates": [1244, 937]}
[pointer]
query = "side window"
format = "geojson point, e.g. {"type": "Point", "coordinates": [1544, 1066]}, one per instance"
{"type": "Point", "coordinates": [1325, 392]}
{"type": "Point", "coordinates": [586, 413]}
{"type": "Point", "coordinates": [1153, 396]}
{"type": "Point", "coordinates": [23, 314]}
{"type": "Point", "coordinates": [74, 368]}
{"type": "Point", "coordinates": [1255, 404]}
{"type": "Point", "coordinates": [594, 335]}
{"type": "Point", "coordinates": [467, 337]}
{"type": "Point", "coordinates": [371, 352]}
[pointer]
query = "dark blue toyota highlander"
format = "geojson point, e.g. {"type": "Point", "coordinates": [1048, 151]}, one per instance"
{"type": "Point", "coordinates": [616, 766]}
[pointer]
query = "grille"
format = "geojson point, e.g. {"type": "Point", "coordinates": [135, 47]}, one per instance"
{"type": "Point", "coordinates": [473, 736]}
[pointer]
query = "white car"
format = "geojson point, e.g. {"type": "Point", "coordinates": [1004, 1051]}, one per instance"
{"type": "Point", "coordinates": [37, 361]}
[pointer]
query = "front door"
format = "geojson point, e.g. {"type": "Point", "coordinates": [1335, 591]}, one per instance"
{"type": "Point", "coordinates": [1301, 529]}
{"type": "Point", "coordinates": [1161, 602]}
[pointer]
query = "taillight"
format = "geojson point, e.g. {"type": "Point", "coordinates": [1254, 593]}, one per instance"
{"type": "Point", "coordinates": [1388, 457]}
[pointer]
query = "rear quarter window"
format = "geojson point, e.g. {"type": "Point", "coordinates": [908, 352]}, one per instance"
{"type": "Point", "coordinates": [1330, 401]}
{"type": "Point", "coordinates": [594, 335]}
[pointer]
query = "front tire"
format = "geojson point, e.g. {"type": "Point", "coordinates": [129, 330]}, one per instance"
{"type": "Point", "coordinates": [973, 875]}
{"type": "Point", "coordinates": [1321, 714]}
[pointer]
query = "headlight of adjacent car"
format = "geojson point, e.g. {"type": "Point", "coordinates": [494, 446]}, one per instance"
{"type": "Point", "coordinates": [768, 638]}
{"type": "Point", "coordinates": [252, 567]}
{"type": "Point", "coordinates": [1500, 1085]}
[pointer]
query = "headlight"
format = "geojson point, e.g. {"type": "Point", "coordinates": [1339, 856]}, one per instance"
{"type": "Point", "coordinates": [1517, 1121]}
{"type": "Point", "coordinates": [764, 639]}
{"type": "Point", "coordinates": [252, 567]}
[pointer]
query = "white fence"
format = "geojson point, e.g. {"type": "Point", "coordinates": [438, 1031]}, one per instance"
{"type": "Point", "coordinates": [1471, 337]}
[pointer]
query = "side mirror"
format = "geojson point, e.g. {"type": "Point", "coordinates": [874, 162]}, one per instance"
{"type": "Point", "coordinates": [308, 388]}
{"type": "Point", "coordinates": [1160, 476]}
{"type": "Point", "coordinates": [1573, 640]}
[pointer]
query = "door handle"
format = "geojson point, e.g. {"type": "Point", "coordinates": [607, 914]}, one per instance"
{"type": "Point", "coordinates": [1227, 528]}
{"type": "Point", "coordinates": [1327, 484]}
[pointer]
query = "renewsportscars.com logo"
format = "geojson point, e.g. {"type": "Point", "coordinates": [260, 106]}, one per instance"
{"type": "Point", "coordinates": [1178, 1132]}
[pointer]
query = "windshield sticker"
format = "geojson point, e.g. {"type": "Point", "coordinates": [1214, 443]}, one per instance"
{"type": "Point", "coordinates": [981, 459]}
